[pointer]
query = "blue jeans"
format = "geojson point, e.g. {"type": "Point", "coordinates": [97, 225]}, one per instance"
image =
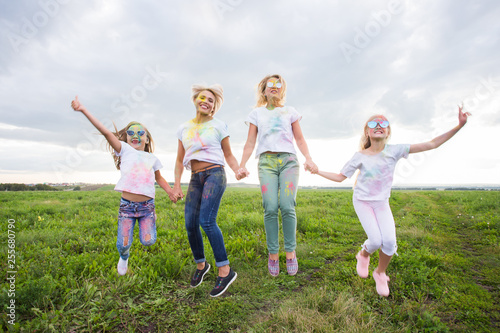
{"type": "Point", "coordinates": [129, 213]}
{"type": "Point", "coordinates": [279, 178]}
{"type": "Point", "coordinates": [202, 204]}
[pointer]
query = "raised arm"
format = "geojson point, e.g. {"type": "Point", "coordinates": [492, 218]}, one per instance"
{"type": "Point", "coordinates": [110, 137]}
{"type": "Point", "coordinates": [438, 141]}
{"type": "Point", "coordinates": [304, 149]}
{"type": "Point", "coordinates": [179, 168]}
{"type": "Point", "coordinates": [248, 149]}
{"type": "Point", "coordinates": [228, 155]}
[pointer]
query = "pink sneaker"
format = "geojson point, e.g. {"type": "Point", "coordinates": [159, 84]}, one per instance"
{"type": "Point", "coordinates": [381, 282]}
{"type": "Point", "coordinates": [362, 265]}
{"type": "Point", "coordinates": [273, 267]}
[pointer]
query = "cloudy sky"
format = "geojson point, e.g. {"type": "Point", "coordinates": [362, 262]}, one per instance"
{"type": "Point", "coordinates": [343, 61]}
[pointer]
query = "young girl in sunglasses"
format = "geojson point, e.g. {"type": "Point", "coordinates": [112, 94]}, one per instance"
{"type": "Point", "coordinates": [376, 162]}
{"type": "Point", "coordinates": [132, 149]}
{"type": "Point", "coordinates": [203, 146]}
{"type": "Point", "coordinates": [274, 126]}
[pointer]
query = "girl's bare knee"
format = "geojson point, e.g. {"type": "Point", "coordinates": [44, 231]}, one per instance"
{"type": "Point", "coordinates": [148, 240]}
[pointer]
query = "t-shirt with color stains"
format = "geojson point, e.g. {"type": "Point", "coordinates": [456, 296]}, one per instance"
{"type": "Point", "coordinates": [376, 172]}
{"type": "Point", "coordinates": [274, 129]}
{"type": "Point", "coordinates": [202, 141]}
{"type": "Point", "coordinates": [137, 171]}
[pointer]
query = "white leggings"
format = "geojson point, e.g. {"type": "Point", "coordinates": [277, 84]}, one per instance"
{"type": "Point", "coordinates": [378, 223]}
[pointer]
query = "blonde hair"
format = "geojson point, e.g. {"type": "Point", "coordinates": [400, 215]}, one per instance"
{"type": "Point", "coordinates": [122, 136]}
{"type": "Point", "coordinates": [215, 89]}
{"type": "Point", "coordinates": [261, 88]}
{"type": "Point", "coordinates": [365, 141]}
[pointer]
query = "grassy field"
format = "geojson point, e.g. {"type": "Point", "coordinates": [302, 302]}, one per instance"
{"type": "Point", "coordinates": [446, 277]}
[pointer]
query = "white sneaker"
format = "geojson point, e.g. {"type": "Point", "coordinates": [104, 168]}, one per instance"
{"type": "Point", "coordinates": [122, 266]}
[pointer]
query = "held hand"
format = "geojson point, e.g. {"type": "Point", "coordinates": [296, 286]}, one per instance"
{"type": "Point", "coordinates": [311, 167]}
{"type": "Point", "coordinates": [240, 176]}
{"type": "Point", "coordinates": [462, 116]}
{"type": "Point", "coordinates": [172, 196]}
{"type": "Point", "coordinates": [242, 173]}
{"type": "Point", "coordinates": [177, 192]}
{"type": "Point", "coordinates": [307, 167]}
{"type": "Point", "coordinates": [76, 105]}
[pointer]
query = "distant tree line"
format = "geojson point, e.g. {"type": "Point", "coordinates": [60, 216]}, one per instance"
{"type": "Point", "coordinates": [24, 187]}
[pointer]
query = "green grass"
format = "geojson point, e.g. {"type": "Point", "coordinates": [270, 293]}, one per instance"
{"type": "Point", "coordinates": [446, 277]}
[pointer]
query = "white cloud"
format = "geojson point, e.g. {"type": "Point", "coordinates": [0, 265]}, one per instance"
{"type": "Point", "coordinates": [415, 66]}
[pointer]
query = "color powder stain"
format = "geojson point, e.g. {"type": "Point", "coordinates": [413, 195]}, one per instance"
{"type": "Point", "coordinates": [208, 191]}
{"type": "Point", "coordinates": [264, 188]}
{"type": "Point", "coordinates": [290, 188]}
{"type": "Point", "coordinates": [196, 133]}
{"type": "Point", "coordinates": [197, 138]}
{"type": "Point", "coordinates": [135, 129]}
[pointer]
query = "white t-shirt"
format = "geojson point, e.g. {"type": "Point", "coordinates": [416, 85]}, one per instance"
{"type": "Point", "coordinates": [376, 172]}
{"type": "Point", "coordinates": [202, 142]}
{"type": "Point", "coordinates": [137, 171]}
{"type": "Point", "coordinates": [274, 128]}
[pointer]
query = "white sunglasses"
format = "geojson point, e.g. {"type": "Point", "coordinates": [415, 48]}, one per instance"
{"type": "Point", "coordinates": [271, 84]}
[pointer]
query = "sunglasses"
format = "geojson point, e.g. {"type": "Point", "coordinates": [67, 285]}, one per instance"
{"type": "Point", "coordinates": [139, 133]}
{"type": "Point", "coordinates": [271, 84]}
{"type": "Point", "coordinates": [382, 123]}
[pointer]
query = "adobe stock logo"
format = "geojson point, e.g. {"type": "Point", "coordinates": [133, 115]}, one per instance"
{"type": "Point", "coordinates": [30, 28]}
{"type": "Point", "coordinates": [373, 28]}
{"type": "Point", "coordinates": [121, 107]}
{"type": "Point", "coordinates": [486, 89]}
{"type": "Point", "coordinates": [223, 6]}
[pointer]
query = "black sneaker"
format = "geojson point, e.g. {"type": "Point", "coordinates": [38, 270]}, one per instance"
{"type": "Point", "coordinates": [198, 275]}
{"type": "Point", "coordinates": [222, 283]}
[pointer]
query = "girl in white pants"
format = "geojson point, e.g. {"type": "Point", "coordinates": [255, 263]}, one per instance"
{"type": "Point", "coordinates": [376, 162]}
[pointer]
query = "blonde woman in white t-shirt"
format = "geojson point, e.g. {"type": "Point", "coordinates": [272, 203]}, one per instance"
{"type": "Point", "coordinates": [274, 126]}
{"type": "Point", "coordinates": [132, 149]}
{"type": "Point", "coordinates": [203, 145]}
{"type": "Point", "coordinates": [376, 162]}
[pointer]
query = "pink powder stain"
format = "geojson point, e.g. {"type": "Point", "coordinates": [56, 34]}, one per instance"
{"type": "Point", "coordinates": [290, 188]}
{"type": "Point", "coordinates": [264, 188]}
{"type": "Point", "coordinates": [208, 191]}
{"type": "Point", "coordinates": [197, 138]}
{"type": "Point", "coordinates": [127, 225]}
